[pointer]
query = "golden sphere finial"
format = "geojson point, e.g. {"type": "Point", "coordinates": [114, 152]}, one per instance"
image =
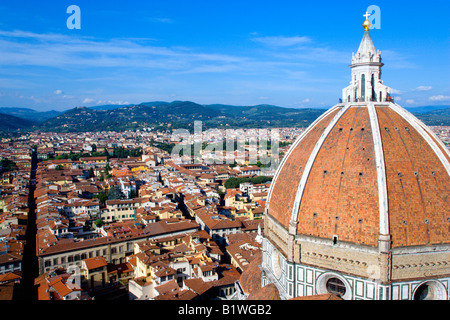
{"type": "Point", "coordinates": [366, 23]}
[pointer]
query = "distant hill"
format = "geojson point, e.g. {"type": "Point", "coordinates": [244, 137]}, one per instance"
{"type": "Point", "coordinates": [426, 109]}
{"type": "Point", "coordinates": [182, 114]}
{"type": "Point", "coordinates": [9, 123]}
{"type": "Point", "coordinates": [435, 117]}
{"type": "Point", "coordinates": [29, 114]}
{"type": "Point", "coordinates": [179, 114]}
{"type": "Point", "coordinates": [268, 115]}
{"type": "Point", "coordinates": [129, 117]}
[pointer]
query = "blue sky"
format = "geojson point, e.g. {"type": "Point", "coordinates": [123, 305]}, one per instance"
{"type": "Point", "coordinates": [285, 53]}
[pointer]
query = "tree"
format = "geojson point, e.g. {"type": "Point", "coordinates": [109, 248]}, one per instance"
{"type": "Point", "coordinates": [121, 152]}
{"type": "Point", "coordinates": [114, 193]}
{"type": "Point", "coordinates": [91, 173]}
{"type": "Point", "coordinates": [99, 223]}
{"type": "Point", "coordinates": [8, 165]}
{"type": "Point", "coordinates": [102, 197]}
{"type": "Point", "coordinates": [106, 172]}
{"type": "Point", "coordinates": [260, 164]}
{"type": "Point", "coordinates": [234, 182]}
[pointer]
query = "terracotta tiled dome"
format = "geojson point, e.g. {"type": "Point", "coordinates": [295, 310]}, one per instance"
{"type": "Point", "coordinates": [364, 170]}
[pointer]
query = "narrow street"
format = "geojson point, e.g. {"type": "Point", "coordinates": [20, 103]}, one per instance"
{"type": "Point", "coordinates": [30, 263]}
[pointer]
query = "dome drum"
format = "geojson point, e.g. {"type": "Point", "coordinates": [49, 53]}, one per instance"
{"type": "Point", "coordinates": [359, 268]}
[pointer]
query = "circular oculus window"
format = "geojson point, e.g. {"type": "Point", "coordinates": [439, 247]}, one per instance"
{"type": "Point", "coordinates": [430, 290]}
{"type": "Point", "coordinates": [335, 284]}
{"type": "Point", "coordinates": [276, 263]}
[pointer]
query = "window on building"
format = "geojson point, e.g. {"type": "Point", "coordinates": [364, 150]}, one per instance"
{"type": "Point", "coordinates": [430, 290]}
{"type": "Point", "coordinates": [363, 87]}
{"type": "Point", "coordinates": [372, 82]}
{"type": "Point", "coordinates": [424, 292]}
{"type": "Point", "coordinates": [336, 286]}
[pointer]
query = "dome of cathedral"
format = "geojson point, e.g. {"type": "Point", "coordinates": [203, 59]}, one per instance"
{"type": "Point", "coordinates": [360, 204]}
{"type": "Point", "coordinates": [363, 170]}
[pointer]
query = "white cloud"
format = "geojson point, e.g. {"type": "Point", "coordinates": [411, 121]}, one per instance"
{"type": "Point", "coordinates": [410, 101]}
{"type": "Point", "coordinates": [88, 100]}
{"type": "Point", "coordinates": [282, 41]}
{"type": "Point", "coordinates": [423, 88]}
{"type": "Point", "coordinates": [106, 102]}
{"type": "Point", "coordinates": [33, 98]}
{"type": "Point", "coordinates": [395, 91]}
{"type": "Point", "coordinates": [39, 36]}
{"type": "Point", "coordinates": [440, 98]}
{"type": "Point", "coordinates": [162, 20]}
{"type": "Point", "coordinates": [54, 50]}
{"type": "Point", "coordinates": [397, 60]}
{"type": "Point", "coordinates": [57, 92]}
{"type": "Point", "coordinates": [118, 103]}
{"type": "Point", "coordinates": [302, 104]}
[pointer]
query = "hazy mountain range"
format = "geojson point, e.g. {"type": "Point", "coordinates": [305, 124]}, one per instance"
{"type": "Point", "coordinates": [178, 114]}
